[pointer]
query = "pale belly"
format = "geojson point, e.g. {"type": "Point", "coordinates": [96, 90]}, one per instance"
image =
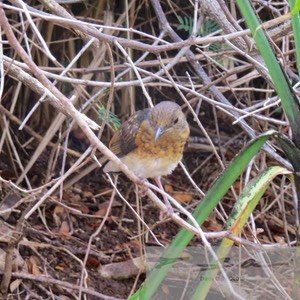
{"type": "Point", "coordinates": [145, 168]}
{"type": "Point", "coordinates": [150, 168]}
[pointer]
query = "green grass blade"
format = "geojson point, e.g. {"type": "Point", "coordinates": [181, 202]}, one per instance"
{"type": "Point", "coordinates": [282, 86]}
{"type": "Point", "coordinates": [295, 8]}
{"type": "Point", "coordinates": [244, 206]}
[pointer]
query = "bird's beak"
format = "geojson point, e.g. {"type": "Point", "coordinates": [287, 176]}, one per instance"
{"type": "Point", "coordinates": [158, 133]}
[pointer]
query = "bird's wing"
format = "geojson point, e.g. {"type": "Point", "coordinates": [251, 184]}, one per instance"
{"type": "Point", "coordinates": [123, 140]}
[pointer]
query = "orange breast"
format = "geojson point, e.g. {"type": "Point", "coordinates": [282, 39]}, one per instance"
{"type": "Point", "coordinates": [168, 146]}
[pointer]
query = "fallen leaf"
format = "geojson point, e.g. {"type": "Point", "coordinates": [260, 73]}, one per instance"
{"type": "Point", "coordinates": [280, 240]}
{"type": "Point", "coordinates": [33, 264]}
{"type": "Point", "coordinates": [92, 262]}
{"type": "Point", "coordinates": [59, 214]}
{"type": "Point", "coordinates": [103, 207]}
{"type": "Point", "coordinates": [64, 229]}
{"type": "Point", "coordinates": [14, 285]}
{"type": "Point", "coordinates": [168, 188]}
{"type": "Point", "coordinates": [212, 225]}
{"type": "Point", "coordinates": [182, 197]}
{"type": "Point", "coordinates": [123, 270]}
{"type": "Point", "coordinates": [87, 194]}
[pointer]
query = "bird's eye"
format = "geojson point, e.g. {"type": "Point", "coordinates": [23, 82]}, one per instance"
{"type": "Point", "coordinates": [175, 121]}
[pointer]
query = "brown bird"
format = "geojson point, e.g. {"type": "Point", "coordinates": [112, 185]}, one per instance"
{"type": "Point", "coordinates": [151, 141]}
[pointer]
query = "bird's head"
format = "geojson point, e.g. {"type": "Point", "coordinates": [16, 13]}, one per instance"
{"type": "Point", "coordinates": [166, 118]}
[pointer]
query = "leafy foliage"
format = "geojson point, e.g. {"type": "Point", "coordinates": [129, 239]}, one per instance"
{"type": "Point", "coordinates": [208, 27]}
{"type": "Point", "coordinates": [111, 117]}
{"type": "Point", "coordinates": [186, 24]}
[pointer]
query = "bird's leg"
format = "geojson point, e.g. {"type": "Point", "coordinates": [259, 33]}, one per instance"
{"type": "Point", "coordinates": [143, 189]}
{"type": "Point", "coordinates": [167, 202]}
